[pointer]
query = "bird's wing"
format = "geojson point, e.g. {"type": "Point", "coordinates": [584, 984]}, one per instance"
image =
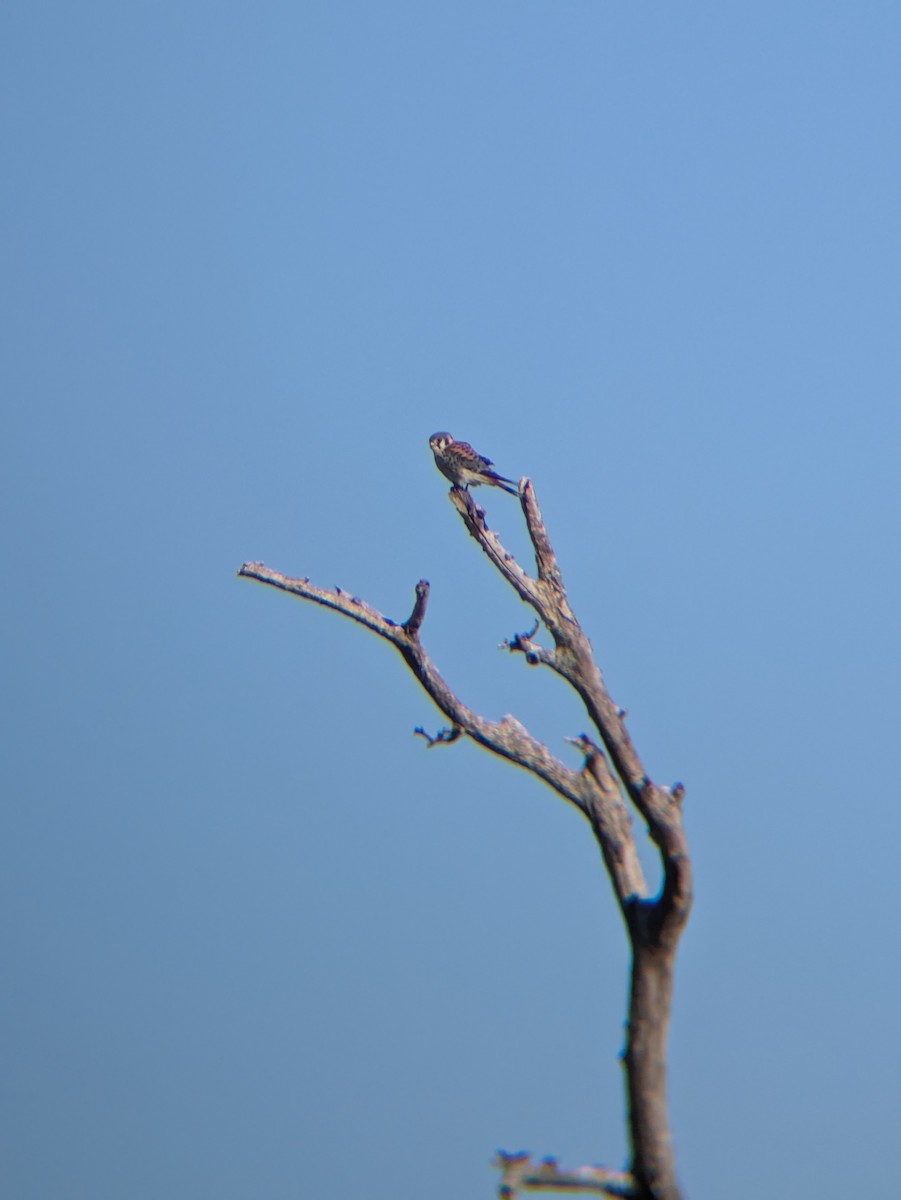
{"type": "Point", "coordinates": [474, 460]}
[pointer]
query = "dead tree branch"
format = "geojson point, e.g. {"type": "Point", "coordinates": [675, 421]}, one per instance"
{"type": "Point", "coordinates": [654, 925]}
{"type": "Point", "coordinates": [507, 737]}
{"type": "Point", "coordinates": [611, 774]}
{"type": "Point", "coordinates": [522, 1174]}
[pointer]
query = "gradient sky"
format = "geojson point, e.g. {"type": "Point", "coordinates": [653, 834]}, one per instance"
{"type": "Point", "coordinates": [257, 940]}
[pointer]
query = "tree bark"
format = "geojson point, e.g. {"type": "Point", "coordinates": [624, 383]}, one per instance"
{"type": "Point", "coordinates": [611, 777]}
{"type": "Point", "coordinates": [644, 1062]}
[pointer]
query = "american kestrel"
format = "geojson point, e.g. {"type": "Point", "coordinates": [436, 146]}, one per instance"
{"type": "Point", "coordinates": [463, 467]}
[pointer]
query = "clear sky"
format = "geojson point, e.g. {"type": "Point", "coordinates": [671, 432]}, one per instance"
{"type": "Point", "coordinates": [256, 939]}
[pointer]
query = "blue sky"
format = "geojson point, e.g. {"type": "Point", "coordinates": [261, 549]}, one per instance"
{"type": "Point", "coordinates": [257, 940]}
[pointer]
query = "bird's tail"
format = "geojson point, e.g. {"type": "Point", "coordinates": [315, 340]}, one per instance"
{"type": "Point", "coordinates": [507, 484]}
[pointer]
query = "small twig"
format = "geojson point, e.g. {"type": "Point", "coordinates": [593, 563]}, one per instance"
{"type": "Point", "coordinates": [442, 737]}
{"type": "Point", "coordinates": [524, 638]}
{"type": "Point", "coordinates": [522, 1174]}
{"type": "Point", "coordinates": [521, 643]}
{"type": "Point", "coordinates": [414, 622]}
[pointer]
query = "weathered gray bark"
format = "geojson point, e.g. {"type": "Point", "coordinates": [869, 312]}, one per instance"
{"type": "Point", "coordinates": [611, 778]}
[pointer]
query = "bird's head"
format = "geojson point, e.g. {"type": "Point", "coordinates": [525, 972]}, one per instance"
{"type": "Point", "coordinates": [440, 441]}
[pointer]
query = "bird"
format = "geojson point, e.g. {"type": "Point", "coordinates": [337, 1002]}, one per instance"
{"type": "Point", "coordinates": [464, 467]}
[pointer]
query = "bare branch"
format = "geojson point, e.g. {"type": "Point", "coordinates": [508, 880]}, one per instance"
{"type": "Point", "coordinates": [507, 738]}
{"type": "Point", "coordinates": [522, 1174]}
{"type": "Point", "coordinates": [612, 827]}
{"type": "Point", "coordinates": [573, 659]}
{"type": "Point", "coordinates": [474, 520]}
{"type": "Point", "coordinates": [339, 600]}
{"type": "Point", "coordinates": [545, 558]}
